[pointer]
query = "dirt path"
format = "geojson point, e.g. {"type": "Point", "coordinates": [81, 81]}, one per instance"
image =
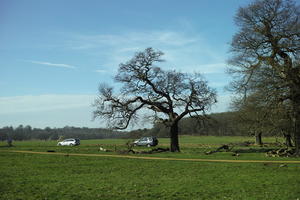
{"type": "Point", "coordinates": [159, 158]}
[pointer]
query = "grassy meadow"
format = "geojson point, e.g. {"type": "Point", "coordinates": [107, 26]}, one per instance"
{"type": "Point", "coordinates": [34, 176]}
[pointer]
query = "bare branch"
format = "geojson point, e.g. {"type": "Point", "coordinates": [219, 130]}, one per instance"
{"type": "Point", "coordinates": [148, 86]}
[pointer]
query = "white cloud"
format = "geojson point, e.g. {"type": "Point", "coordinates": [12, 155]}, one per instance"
{"type": "Point", "coordinates": [185, 50]}
{"type": "Point", "coordinates": [129, 49]}
{"type": "Point", "coordinates": [48, 110]}
{"type": "Point", "coordinates": [205, 69]}
{"type": "Point", "coordinates": [101, 71]}
{"type": "Point", "coordinates": [53, 64]}
{"type": "Point", "coordinates": [222, 105]}
{"type": "Point", "coordinates": [212, 68]}
{"type": "Point", "coordinates": [130, 40]}
{"type": "Point", "coordinates": [39, 103]}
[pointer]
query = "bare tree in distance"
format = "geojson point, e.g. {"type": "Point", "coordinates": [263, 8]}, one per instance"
{"type": "Point", "coordinates": [170, 95]}
{"type": "Point", "coordinates": [266, 52]}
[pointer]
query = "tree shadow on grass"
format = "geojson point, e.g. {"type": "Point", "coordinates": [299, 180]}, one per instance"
{"type": "Point", "coordinates": [7, 146]}
{"type": "Point", "coordinates": [252, 150]}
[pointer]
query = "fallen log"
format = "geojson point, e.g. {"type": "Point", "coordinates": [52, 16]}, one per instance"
{"type": "Point", "coordinates": [127, 151]}
{"type": "Point", "coordinates": [284, 152]}
{"type": "Point", "coordinates": [223, 147]}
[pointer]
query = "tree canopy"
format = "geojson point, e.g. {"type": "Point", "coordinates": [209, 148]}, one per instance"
{"type": "Point", "coordinates": [265, 56]}
{"type": "Point", "coordinates": [170, 95]}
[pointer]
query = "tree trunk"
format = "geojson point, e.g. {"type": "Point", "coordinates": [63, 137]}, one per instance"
{"type": "Point", "coordinates": [174, 137]}
{"type": "Point", "coordinates": [295, 93]}
{"type": "Point", "coordinates": [258, 140]}
{"type": "Point", "coordinates": [9, 141]}
{"type": "Point", "coordinates": [296, 121]}
{"type": "Point", "coordinates": [288, 139]}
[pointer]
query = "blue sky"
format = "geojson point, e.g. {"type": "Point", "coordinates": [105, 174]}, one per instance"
{"type": "Point", "coordinates": [54, 53]}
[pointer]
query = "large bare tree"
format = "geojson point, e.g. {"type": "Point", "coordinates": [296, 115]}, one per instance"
{"type": "Point", "coordinates": [266, 52]}
{"type": "Point", "coordinates": [170, 95]}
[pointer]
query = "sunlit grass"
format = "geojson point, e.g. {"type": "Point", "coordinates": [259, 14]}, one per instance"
{"type": "Point", "coordinates": [26, 176]}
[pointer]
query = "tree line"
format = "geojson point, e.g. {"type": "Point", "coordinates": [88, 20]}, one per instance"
{"type": "Point", "coordinates": [222, 124]}
{"type": "Point", "coordinates": [219, 124]}
{"type": "Point", "coordinates": [28, 133]}
{"type": "Point", "coordinates": [237, 123]}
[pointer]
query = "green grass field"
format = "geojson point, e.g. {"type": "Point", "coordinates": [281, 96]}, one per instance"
{"type": "Point", "coordinates": [33, 176]}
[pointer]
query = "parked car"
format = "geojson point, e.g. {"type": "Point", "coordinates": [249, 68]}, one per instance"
{"type": "Point", "coordinates": [69, 142]}
{"type": "Point", "coordinates": [146, 141]}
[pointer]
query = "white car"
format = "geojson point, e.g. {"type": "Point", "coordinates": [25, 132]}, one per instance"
{"type": "Point", "coordinates": [69, 142]}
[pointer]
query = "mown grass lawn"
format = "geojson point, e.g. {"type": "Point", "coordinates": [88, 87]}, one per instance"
{"type": "Point", "coordinates": [30, 176]}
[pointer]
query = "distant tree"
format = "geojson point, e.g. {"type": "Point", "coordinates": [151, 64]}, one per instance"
{"type": "Point", "coordinates": [253, 116]}
{"type": "Point", "coordinates": [282, 122]}
{"type": "Point", "coordinates": [170, 95]}
{"type": "Point", "coordinates": [266, 52]}
{"type": "Point", "coordinates": [221, 124]}
{"type": "Point", "coordinates": [6, 134]}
